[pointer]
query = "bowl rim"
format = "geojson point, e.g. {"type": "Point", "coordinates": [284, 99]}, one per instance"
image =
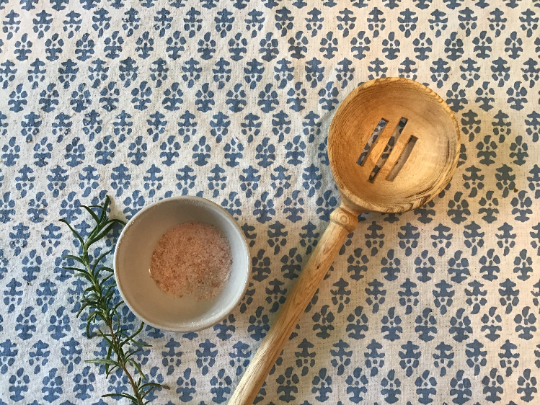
{"type": "Point", "coordinates": [225, 310]}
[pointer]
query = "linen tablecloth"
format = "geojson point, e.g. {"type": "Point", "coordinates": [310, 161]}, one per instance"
{"type": "Point", "coordinates": [231, 100]}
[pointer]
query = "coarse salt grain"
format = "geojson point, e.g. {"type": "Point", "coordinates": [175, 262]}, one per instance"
{"type": "Point", "coordinates": [192, 258]}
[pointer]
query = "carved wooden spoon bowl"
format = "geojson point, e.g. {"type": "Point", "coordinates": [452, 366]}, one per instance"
{"type": "Point", "coordinates": [396, 169]}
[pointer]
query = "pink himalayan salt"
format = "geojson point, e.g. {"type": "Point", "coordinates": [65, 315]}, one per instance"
{"type": "Point", "coordinates": [192, 258]}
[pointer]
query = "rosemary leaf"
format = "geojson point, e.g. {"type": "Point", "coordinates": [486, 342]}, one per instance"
{"type": "Point", "coordinates": [98, 299]}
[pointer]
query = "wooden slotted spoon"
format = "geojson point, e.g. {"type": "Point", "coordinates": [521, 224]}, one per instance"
{"type": "Point", "coordinates": [420, 162]}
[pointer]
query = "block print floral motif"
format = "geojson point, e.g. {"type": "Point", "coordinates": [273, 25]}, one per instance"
{"type": "Point", "coordinates": [231, 100]}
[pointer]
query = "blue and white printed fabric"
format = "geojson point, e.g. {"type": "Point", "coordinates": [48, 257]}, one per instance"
{"type": "Point", "coordinates": [232, 100]}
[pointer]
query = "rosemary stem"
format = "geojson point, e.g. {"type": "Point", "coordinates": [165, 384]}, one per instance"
{"type": "Point", "coordinates": [122, 364]}
{"type": "Point", "coordinates": [109, 322]}
{"type": "Point", "coordinates": [99, 299]}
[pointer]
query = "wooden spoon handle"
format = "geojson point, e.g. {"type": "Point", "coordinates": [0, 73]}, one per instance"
{"type": "Point", "coordinates": [342, 223]}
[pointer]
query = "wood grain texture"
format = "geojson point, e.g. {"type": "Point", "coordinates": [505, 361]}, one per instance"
{"type": "Point", "coordinates": [426, 172]}
{"type": "Point", "coordinates": [431, 163]}
{"type": "Point", "coordinates": [342, 222]}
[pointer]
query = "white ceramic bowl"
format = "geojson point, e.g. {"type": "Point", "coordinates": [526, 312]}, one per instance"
{"type": "Point", "coordinates": [132, 265]}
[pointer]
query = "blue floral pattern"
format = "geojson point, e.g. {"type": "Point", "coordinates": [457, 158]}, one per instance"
{"type": "Point", "coordinates": [232, 100]}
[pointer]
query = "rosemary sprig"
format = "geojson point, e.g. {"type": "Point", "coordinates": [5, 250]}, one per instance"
{"type": "Point", "coordinates": [99, 299]}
